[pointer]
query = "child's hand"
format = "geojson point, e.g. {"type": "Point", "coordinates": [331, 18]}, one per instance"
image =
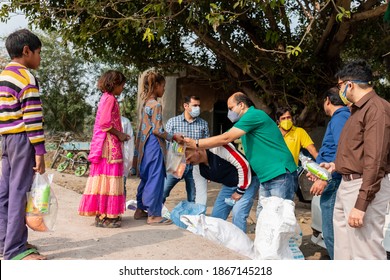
{"type": "Point", "coordinates": [124, 137]}
{"type": "Point", "coordinates": [178, 138]}
{"type": "Point", "coordinates": [39, 164]}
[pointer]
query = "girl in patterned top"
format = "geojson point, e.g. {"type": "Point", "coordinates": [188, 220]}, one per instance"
{"type": "Point", "coordinates": [150, 149]}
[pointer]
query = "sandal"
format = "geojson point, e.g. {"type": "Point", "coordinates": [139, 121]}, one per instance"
{"type": "Point", "coordinates": [97, 220]}
{"type": "Point", "coordinates": [109, 222]}
{"type": "Point", "coordinates": [30, 254]}
{"type": "Point", "coordinates": [30, 246]}
{"type": "Point", "coordinates": [162, 222]}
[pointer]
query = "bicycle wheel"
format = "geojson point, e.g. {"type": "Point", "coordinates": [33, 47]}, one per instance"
{"type": "Point", "coordinates": [81, 164]}
{"type": "Point", "coordinates": [63, 165]}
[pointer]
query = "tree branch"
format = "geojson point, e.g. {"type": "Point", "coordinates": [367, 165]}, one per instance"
{"type": "Point", "coordinates": [342, 33]}
{"type": "Point", "coordinates": [369, 14]}
{"type": "Point", "coordinates": [326, 33]}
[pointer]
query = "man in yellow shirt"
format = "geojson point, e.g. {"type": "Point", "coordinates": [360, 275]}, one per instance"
{"type": "Point", "coordinates": [296, 138]}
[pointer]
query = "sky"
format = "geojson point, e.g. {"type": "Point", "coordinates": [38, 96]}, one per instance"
{"type": "Point", "coordinates": [14, 23]}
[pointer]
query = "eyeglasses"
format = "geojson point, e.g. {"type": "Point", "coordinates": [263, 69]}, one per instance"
{"type": "Point", "coordinates": [338, 85]}
{"type": "Point", "coordinates": [354, 81]}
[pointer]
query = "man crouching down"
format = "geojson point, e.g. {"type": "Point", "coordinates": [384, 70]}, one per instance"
{"type": "Point", "coordinates": [227, 166]}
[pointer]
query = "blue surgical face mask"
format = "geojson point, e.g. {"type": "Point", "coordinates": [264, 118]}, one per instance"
{"type": "Point", "coordinates": [233, 116]}
{"type": "Point", "coordinates": [195, 111]}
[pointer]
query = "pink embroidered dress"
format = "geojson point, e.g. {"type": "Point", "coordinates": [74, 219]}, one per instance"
{"type": "Point", "coordinates": [104, 190]}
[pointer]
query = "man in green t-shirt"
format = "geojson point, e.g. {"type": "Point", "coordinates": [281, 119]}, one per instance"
{"type": "Point", "coordinates": [263, 144]}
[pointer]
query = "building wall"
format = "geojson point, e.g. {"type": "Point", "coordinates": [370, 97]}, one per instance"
{"type": "Point", "coordinates": [209, 97]}
{"type": "Point", "coordinates": [178, 86]}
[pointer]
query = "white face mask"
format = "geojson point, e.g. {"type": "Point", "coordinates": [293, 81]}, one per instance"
{"type": "Point", "coordinates": [195, 111]}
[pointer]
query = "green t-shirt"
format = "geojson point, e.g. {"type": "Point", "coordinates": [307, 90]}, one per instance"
{"type": "Point", "coordinates": [264, 145]}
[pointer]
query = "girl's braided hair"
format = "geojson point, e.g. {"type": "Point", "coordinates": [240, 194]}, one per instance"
{"type": "Point", "coordinates": [151, 79]}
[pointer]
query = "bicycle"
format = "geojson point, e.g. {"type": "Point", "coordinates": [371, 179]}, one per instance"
{"type": "Point", "coordinates": [60, 150]}
{"type": "Point", "coordinates": [78, 162]}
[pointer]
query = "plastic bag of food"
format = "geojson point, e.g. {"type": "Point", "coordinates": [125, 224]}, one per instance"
{"type": "Point", "coordinates": [42, 205]}
{"type": "Point", "coordinates": [176, 159]}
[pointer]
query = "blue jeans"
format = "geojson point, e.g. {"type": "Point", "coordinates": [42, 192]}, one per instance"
{"type": "Point", "coordinates": [283, 186]}
{"type": "Point", "coordinates": [240, 210]}
{"type": "Point", "coordinates": [327, 201]}
{"type": "Point", "coordinates": [171, 181]}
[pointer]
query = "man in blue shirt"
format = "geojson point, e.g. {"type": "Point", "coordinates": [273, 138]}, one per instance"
{"type": "Point", "coordinates": [189, 124]}
{"type": "Point", "coordinates": [339, 113]}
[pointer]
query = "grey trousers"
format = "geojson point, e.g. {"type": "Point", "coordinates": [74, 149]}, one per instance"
{"type": "Point", "coordinates": [365, 243]}
{"type": "Point", "coordinates": [18, 160]}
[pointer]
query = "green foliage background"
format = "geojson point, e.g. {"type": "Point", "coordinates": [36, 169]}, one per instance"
{"type": "Point", "coordinates": [278, 52]}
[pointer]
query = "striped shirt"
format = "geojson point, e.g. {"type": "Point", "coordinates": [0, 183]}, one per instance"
{"type": "Point", "coordinates": [227, 166]}
{"type": "Point", "coordinates": [196, 130]}
{"type": "Point", "coordinates": [21, 106]}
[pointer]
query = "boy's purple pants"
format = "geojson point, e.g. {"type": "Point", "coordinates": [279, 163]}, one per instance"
{"type": "Point", "coordinates": [18, 160]}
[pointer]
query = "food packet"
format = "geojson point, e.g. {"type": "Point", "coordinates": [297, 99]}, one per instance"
{"type": "Point", "coordinates": [42, 205]}
{"type": "Point", "coordinates": [309, 165]}
{"type": "Point", "coordinates": [176, 159]}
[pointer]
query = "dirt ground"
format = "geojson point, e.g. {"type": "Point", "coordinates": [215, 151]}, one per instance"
{"type": "Point", "coordinates": [311, 251]}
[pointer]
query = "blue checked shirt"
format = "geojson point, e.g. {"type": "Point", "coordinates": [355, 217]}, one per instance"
{"type": "Point", "coordinates": [196, 130]}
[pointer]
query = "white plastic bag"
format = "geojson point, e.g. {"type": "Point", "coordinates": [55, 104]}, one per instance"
{"type": "Point", "coordinates": [221, 232]}
{"type": "Point", "coordinates": [128, 154]}
{"type": "Point", "coordinates": [128, 146]}
{"type": "Point", "coordinates": [42, 205]}
{"type": "Point", "coordinates": [278, 234]}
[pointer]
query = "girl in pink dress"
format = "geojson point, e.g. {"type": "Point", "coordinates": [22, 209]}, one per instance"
{"type": "Point", "coordinates": [103, 196]}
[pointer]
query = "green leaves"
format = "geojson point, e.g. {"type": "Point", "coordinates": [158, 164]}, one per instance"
{"type": "Point", "coordinates": [343, 14]}
{"type": "Point", "coordinates": [275, 3]}
{"type": "Point", "coordinates": [215, 18]}
{"type": "Point", "coordinates": [148, 35]}
{"type": "Point", "coordinates": [274, 48]}
{"type": "Point", "coordinates": [291, 50]}
{"type": "Point", "coordinates": [272, 36]}
{"type": "Point", "coordinates": [4, 12]}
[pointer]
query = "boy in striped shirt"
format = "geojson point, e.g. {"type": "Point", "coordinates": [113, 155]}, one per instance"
{"type": "Point", "coordinates": [227, 166]}
{"type": "Point", "coordinates": [23, 142]}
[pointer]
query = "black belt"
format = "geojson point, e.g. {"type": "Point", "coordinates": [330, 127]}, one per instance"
{"type": "Point", "coordinates": [350, 177]}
